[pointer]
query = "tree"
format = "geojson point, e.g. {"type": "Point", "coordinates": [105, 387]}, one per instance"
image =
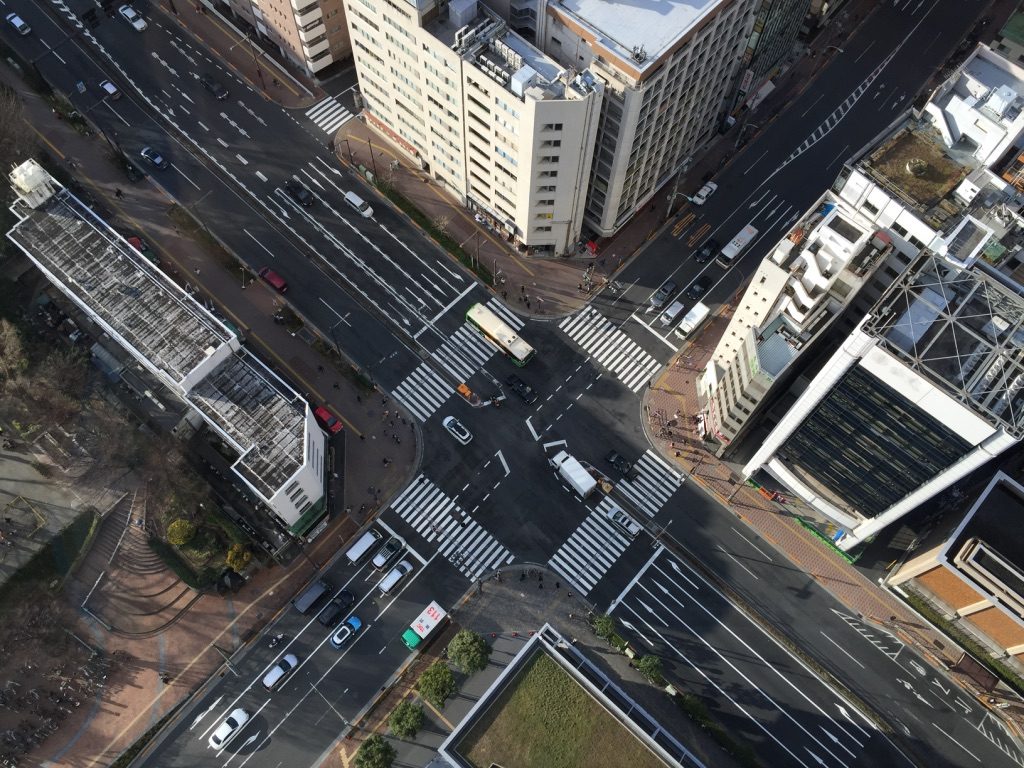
{"type": "Point", "coordinates": [469, 652]}
{"type": "Point", "coordinates": [375, 752]}
{"type": "Point", "coordinates": [604, 627]}
{"type": "Point", "coordinates": [180, 532]}
{"type": "Point", "coordinates": [437, 683]}
{"type": "Point", "coordinates": [13, 360]}
{"type": "Point", "coordinates": [406, 720]}
{"type": "Point", "coordinates": [238, 557]}
{"type": "Point", "coordinates": [650, 667]}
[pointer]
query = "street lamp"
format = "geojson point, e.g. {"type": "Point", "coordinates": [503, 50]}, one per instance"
{"type": "Point", "coordinates": [739, 139]}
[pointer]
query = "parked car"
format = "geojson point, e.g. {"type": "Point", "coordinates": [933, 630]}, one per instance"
{"type": "Point", "coordinates": [337, 608]}
{"type": "Point", "coordinates": [346, 632]}
{"type": "Point", "coordinates": [213, 85]}
{"type": "Point", "coordinates": [698, 289]}
{"type": "Point", "coordinates": [327, 420]}
{"type": "Point", "coordinates": [521, 388]}
{"type": "Point", "coordinates": [386, 554]}
{"type": "Point", "coordinates": [663, 294]}
{"type": "Point", "coordinates": [299, 193]}
{"type": "Point", "coordinates": [275, 281]}
{"type": "Point", "coordinates": [18, 23]}
{"type": "Point", "coordinates": [280, 671]}
{"type": "Point", "coordinates": [110, 90]}
{"type": "Point", "coordinates": [227, 730]}
{"type": "Point", "coordinates": [618, 461]}
{"type": "Point", "coordinates": [707, 252]}
{"type": "Point", "coordinates": [154, 158]}
{"type": "Point", "coordinates": [133, 17]}
{"type": "Point", "coordinates": [457, 430]}
{"type": "Point", "coordinates": [704, 193]}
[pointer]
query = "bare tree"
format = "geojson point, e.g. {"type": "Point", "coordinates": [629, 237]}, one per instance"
{"type": "Point", "coordinates": [17, 141]}
{"type": "Point", "coordinates": [13, 360]}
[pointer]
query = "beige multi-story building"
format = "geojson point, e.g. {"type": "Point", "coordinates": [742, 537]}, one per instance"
{"type": "Point", "coordinates": [310, 33]}
{"type": "Point", "coordinates": [586, 127]}
{"type": "Point", "coordinates": [501, 126]}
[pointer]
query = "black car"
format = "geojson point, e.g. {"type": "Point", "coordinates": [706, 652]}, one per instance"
{"type": "Point", "coordinates": [299, 193]}
{"type": "Point", "coordinates": [338, 607]}
{"type": "Point", "coordinates": [707, 252]}
{"type": "Point", "coordinates": [618, 461]}
{"type": "Point", "coordinates": [698, 289]}
{"type": "Point", "coordinates": [213, 85]}
{"type": "Point", "coordinates": [663, 294]}
{"type": "Point", "coordinates": [521, 388]}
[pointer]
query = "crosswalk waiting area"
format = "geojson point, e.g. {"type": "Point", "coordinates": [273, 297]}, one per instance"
{"type": "Point", "coordinates": [652, 483]}
{"type": "Point", "coordinates": [592, 549]}
{"type": "Point", "coordinates": [460, 539]}
{"type": "Point", "coordinates": [612, 348]}
{"type": "Point", "coordinates": [329, 114]}
{"type": "Point", "coordinates": [460, 355]}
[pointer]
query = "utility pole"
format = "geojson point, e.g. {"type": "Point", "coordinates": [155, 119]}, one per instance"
{"type": "Point", "coordinates": [227, 659]}
{"type": "Point", "coordinates": [373, 162]}
{"type": "Point", "coordinates": [256, 61]}
{"type": "Point", "coordinates": [351, 158]}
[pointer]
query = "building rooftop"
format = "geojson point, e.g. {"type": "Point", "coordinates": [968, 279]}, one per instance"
{"type": "Point", "coordinates": [963, 331]}
{"type": "Point", "coordinates": [914, 167]}
{"type": "Point", "coordinates": [641, 31]}
{"type": "Point", "coordinates": [1013, 29]}
{"type": "Point", "coordinates": [987, 549]}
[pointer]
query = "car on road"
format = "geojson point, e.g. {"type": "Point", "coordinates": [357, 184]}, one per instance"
{"type": "Point", "coordinates": [698, 289]}
{"type": "Point", "coordinates": [327, 420]}
{"type": "Point", "coordinates": [280, 671]}
{"type": "Point", "coordinates": [346, 632]}
{"type": "Point", "coordinates": [386, 554]}
{"type": "Point", "coordinates": [337, 608]}
{"type": "Point", "coordinates": [704, 193]}
{"type": "Point", "coordinates": [213, 85]}
{"type": "Point", "coordinates": [628, 525]}
{"type": "Point", "coordinates": [663, 294]}
{"type": "Point", "coordinates": [133, 17]}
{"type": "Point", "coordinates": [395, 575]}
{"type": "Point", "coordinates": [618, 461]}
{"type": "Point", "coordinates": [154, 158]}
{"type": "Point", "coordinates": [707, 252]}
{"type": "Point", "coordinates": [457, 430]}
{"type": "Point", "coordinates": [274, 280]}
{"type": "Point", "coordinates": [110, 90]}
{"type": "Point", "coordinates": [19, 24]}
{"type": "Point", "coordinates": [521, 388]}
{"type": "Point", "coordinates": [299, 193]}
{"type": "Point", "coordinates": [227, 730]}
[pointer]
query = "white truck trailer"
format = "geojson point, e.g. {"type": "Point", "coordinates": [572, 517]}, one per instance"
{"type": "Point", "coordinates": [574, 473]}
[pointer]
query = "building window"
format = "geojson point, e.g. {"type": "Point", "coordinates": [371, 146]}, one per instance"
{"type": "Point", "coordinates": [872, 209]}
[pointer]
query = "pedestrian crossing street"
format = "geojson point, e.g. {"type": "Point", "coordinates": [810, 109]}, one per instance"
{"type": "Point", "coordinates": [611, 347]}
{"type": "Point", "coordinates": [592, 549]}
{"type": "Point", "coordinates": [653, 482]}
{"type": "Point", "coordinates": [461, 355]}
{"type": "Point", "coordinates": [329, 114]}
{"type": "Point", "coordinates": [461, 540]}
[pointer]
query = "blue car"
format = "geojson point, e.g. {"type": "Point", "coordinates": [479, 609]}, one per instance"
{"type": "Point", "coordinates": [346, 632]}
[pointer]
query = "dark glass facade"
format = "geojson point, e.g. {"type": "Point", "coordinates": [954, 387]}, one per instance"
{"type": "Point", "coordinates": [869, 445]}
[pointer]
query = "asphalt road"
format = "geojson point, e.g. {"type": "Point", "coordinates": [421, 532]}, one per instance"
{"type": "Point", "coordinates": [398, 310]}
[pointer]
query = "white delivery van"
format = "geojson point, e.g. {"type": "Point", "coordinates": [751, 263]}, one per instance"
{"type": "Point", "coordinates": [359, 204]}
{"type": "Point", "coordinates": [733, 248]}
{"type": "Point", "coordinates": [694, 319]}
{"type": "Point", "coordinates": [363, 545]}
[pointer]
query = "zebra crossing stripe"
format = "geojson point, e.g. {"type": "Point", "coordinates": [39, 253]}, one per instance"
{"type": "Point", "coordinates": [423, 391]}
{"type": "Point", "coordinates": [505, 313]}
{"type": "Point", "coordinates": [654, 483]}
{"type": "Point", "coordinates": [591, 550]}
{"type": "Point", "coordinates": [466, 544]}
{"type": "Point", "coordinates": [329, 114]}
{"type": "Point", "coordinates": [611, 347]}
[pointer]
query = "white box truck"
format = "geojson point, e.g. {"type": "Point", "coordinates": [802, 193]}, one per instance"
{"type": "Point", "coordinates": [574, 473]}
{"type": "Point", "coordinates": [424, 624]}
{"type": "Point", "coordinates": [732, 249]}
{"type": "Point", "coordinates": [694, 319]}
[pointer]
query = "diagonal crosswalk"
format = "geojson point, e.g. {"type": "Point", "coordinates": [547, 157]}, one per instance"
{"type": "Point", "coordinates": [423, 391]}
{"type": "Point", "coordinates": [612, 348]}
{"type": "Point", "coordinates": [651, 484]}
{"type": "Point", "coordinates": [592, 549]}
{"type": "Point", "coordinates": [460, 539]}
{"type": "Point", "coordinates": [329, 114]}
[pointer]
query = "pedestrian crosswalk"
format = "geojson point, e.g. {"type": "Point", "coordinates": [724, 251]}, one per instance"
{"type": "Point", "coordinates": [592, 549]}
{"type": "Point", "coordinates": [460, 539]}
{"type": "Point", "coordinates": [464, 352]}
{"type": "Point", "coordinates": [423, 391]}
{"type": "Point", "coordinates": [652, 483]}
{"type": "Point", "coordinates": [329, 114]}
{"type": "Point", "coordinates": [611, 347]}
{"type": "Point", "coordinates": [505, 313]}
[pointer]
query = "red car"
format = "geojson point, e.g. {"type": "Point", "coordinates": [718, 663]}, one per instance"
{"type": "Point", "coordinates": [327, 421]}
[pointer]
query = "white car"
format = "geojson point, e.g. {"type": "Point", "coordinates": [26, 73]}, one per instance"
{"type": "Point", "coordinates": [457, 430]}
{"type": "Point", "coordinates": [133, 17]}
{"type": "Point", "coordinates": [18, 23]}
{"type": "Point", "coordinates": [280, 671]}
{"type": "Point", "coordinates": [630, 526]}
{"type": "Point", "coordinates": [110, 90]}
{"type": "Point", "coordinates": [227, 730]}
{"type": "Point", "coordinates": [704, 193]}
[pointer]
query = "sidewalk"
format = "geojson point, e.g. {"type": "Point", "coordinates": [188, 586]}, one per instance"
{"type": "Point", "coordinates": [137, 697]}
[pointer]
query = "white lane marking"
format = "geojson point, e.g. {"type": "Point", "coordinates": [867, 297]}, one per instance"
{"type": "Point", "coordinates": [184, 176]}
{"type": "Point", "coordinates": [965, 749]}
{"type": "Point", "coordinates": [837, 645]}
{"type": "Point", "coordinates": [765, 554]}
{"type": "Point", "coordinates": [503, 463]}
{"type": "Point", "coordinates": [533, 432]}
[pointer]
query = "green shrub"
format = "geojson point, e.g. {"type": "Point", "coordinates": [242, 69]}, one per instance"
{"type": "Point", "coordinates": [469, 652]}
{"type": "Point", "coordinates": [406, 720]}
{"type": "Point", "coordinates": [238, 557]}
{"type": "Point", "coordinates": [437, 684]}
{"type": "Point", "coordinates": [180, 532]}
{"type": "Point", "coordinates": [375, 752]}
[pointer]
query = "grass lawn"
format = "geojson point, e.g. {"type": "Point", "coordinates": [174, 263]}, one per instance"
{"type": "Point", "coordinates": [545, 720]}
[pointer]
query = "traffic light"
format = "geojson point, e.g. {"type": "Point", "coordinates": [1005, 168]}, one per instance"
{"type": "Point", "coordinates": [91, 19]}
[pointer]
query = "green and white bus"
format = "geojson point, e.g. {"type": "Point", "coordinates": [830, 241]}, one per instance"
{"type": "Point", "coordinates": [501, 333]}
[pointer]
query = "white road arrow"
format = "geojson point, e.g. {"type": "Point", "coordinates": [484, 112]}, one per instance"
{"type": "Point", "coordinates": [205, 712]}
